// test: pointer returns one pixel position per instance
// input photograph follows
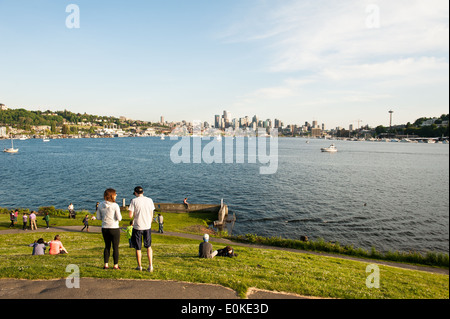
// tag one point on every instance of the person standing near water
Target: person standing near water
(47, 219)
(141, 208)
(109, 213)
(33, 220)
(161, 224)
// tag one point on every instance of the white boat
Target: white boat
(23, 138)
(12, 149)
(331, 149)
(162, 137)
(45, 139)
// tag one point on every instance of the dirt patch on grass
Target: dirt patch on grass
(198, 229)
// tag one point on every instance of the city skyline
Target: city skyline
(247, 121)
(336, 63)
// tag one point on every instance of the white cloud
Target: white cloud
(401, 69)
(324, 47)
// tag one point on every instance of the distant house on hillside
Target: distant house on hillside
(3, 107)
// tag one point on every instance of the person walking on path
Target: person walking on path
(141, 208)
(33, 220)
(11, 218)
(86, 223)
(109, 213)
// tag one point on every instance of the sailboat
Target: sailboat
(12, 149)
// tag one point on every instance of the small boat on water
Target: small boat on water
(11, 149)
(331, 149)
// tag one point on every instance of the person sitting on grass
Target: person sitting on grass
(205, 249)
(56, 246)
(226, 252)
(39, 247)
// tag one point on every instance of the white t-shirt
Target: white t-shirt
(142, 208)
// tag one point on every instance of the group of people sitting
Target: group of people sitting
(56, 246)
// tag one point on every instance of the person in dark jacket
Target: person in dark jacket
(205, 249)
(226, 252)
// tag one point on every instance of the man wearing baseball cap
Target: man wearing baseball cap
(205, 249)
(141, 208)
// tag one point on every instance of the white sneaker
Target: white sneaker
(150, 269)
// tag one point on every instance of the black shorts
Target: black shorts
(141, 236)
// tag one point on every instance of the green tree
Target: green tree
(65, 129)
(380, 129)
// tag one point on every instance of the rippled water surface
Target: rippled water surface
(393, 196)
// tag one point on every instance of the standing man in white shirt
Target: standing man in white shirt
(141, 208)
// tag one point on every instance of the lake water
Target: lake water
(392, 196)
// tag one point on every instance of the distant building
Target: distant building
(278, 123)
(3, 131)
(217, 121)
(429, 122)
(226, 118)
(3, 107)
(316, 132)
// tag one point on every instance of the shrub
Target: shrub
(52, 211)
(320, 245)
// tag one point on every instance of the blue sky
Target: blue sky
(189, 60)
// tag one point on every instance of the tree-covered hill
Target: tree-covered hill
(24, 119)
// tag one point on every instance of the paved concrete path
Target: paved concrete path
(152, 289)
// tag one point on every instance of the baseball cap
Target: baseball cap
(138, 190)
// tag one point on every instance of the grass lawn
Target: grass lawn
(176, 259)
(194, 223)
